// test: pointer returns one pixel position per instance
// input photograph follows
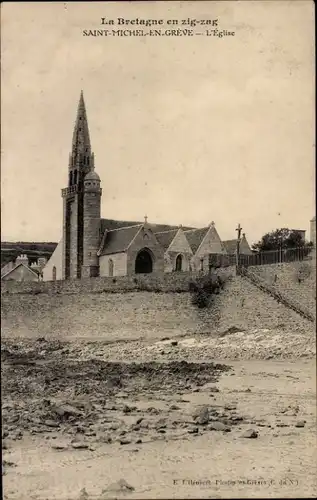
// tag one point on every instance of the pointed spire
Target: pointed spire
(81, 156)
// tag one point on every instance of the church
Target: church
(91, 246)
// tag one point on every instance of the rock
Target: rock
(105, 439)
(219, 426)
(153, 411)
(201, 416)
(126, 409)
(79, 445)
(66, 411)
(90, 433)
(114, 427)
(59, 446)
(300, 423)
(138, 441)
(250, 433)
(213, 389)
(161, 424)
(139, 420)
(119, 486)
(194, 430)
(51, 423)
(174, 342)
(174, 407)
(124, 441)
(230, 407)
(236, 418)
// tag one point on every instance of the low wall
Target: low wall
(296, 281)
(169, 282)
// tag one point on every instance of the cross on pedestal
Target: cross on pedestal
(239, 229)
(145, 219)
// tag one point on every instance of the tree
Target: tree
(280, 239)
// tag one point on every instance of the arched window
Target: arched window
(54, 273)
(75, 177)
(110, 267)
(179, 262)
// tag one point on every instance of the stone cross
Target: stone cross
(239, 229)
(145, 219)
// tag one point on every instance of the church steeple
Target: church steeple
(81, 159)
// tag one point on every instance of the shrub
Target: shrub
(203, 288)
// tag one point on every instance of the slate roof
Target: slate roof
(111, 224)
(18, 265)
(165, 238)
(118, 240)
(195, 237)
(230, 246)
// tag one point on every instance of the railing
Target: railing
(277, 295)
(262, 258)
(70, 190)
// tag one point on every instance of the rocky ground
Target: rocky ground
(159, 419)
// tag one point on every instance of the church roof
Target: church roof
(195, 237)
(230, 246)
(111, 224)
(165, 238)
(118, 240)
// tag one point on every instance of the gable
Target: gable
(56, 261)
(180, 243)
(245, 247)
(145, 238)
(211, 243)
(231, 247)
(21, 272)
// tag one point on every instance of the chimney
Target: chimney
(22, 259)
(41, 262)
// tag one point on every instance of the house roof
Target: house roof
(195, 237)
(33, 271)
(111, 224)
(165, 238)
(118, 240)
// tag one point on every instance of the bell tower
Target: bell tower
(81, 161)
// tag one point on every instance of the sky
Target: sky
(185, 129)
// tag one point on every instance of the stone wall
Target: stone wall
(119, 261)
(130, 307)
(296, 281)
(136, 314)
(171, 282)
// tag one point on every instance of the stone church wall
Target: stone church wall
(119, 263)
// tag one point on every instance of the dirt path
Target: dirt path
(169, 431)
